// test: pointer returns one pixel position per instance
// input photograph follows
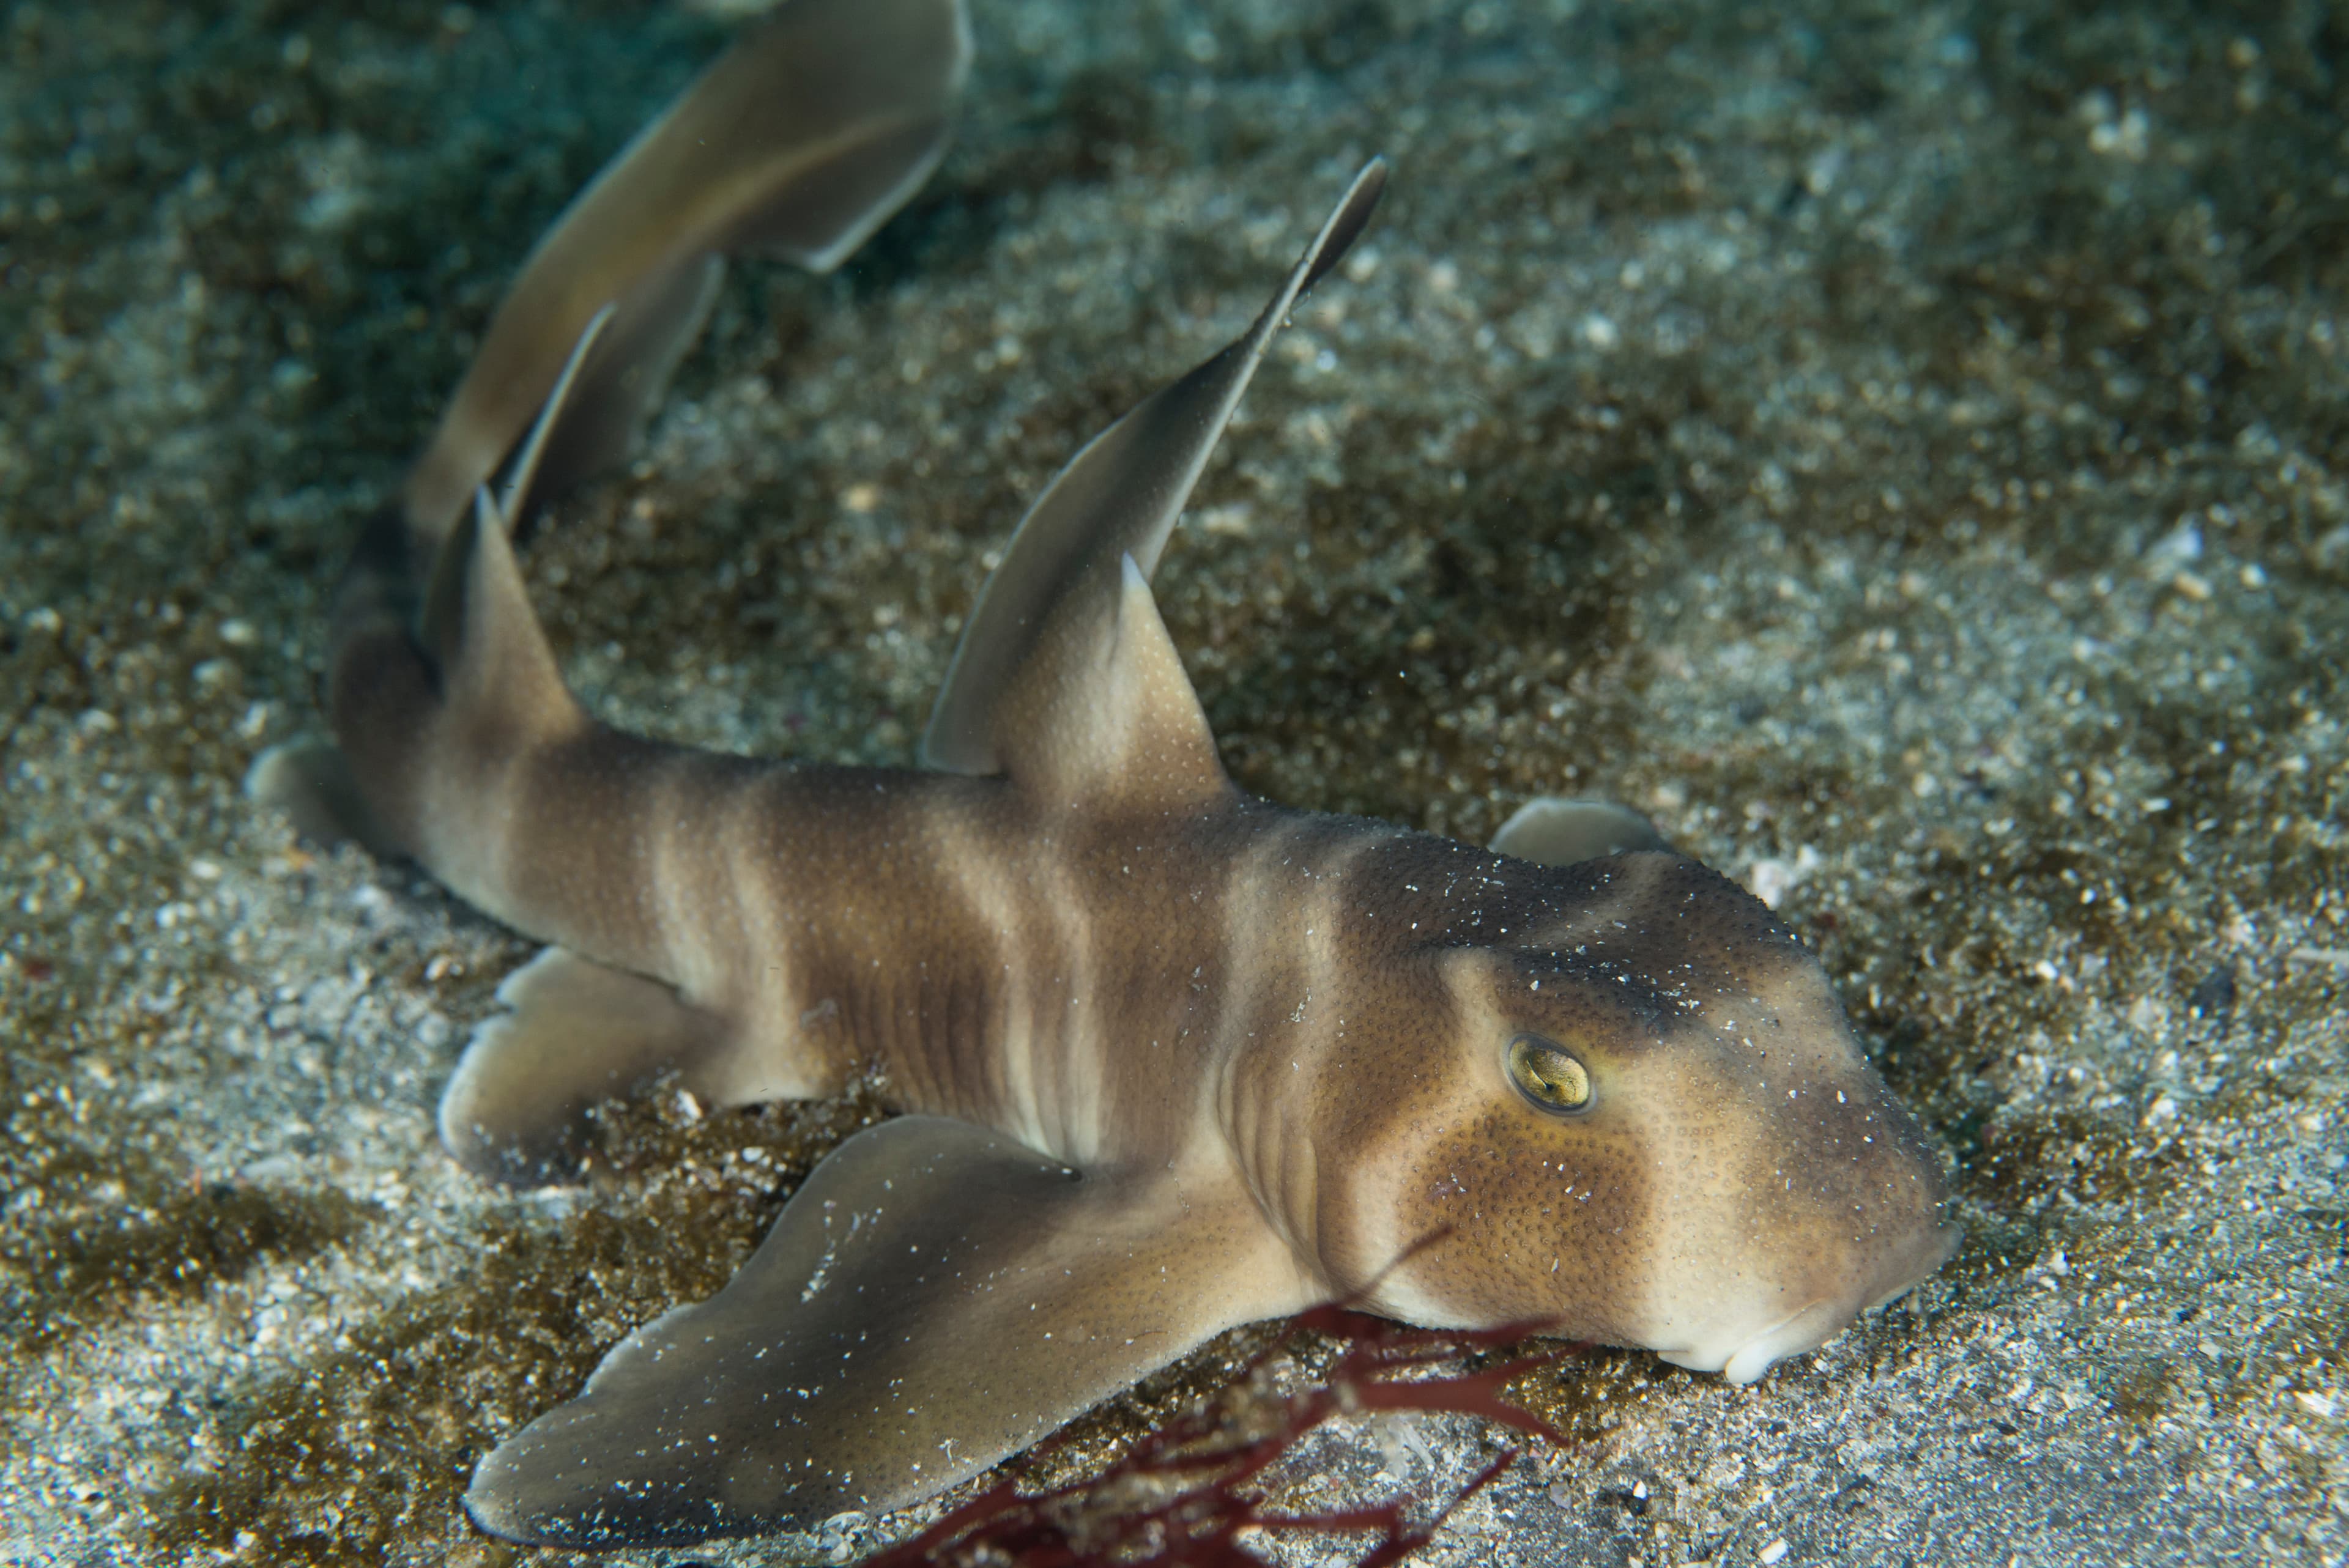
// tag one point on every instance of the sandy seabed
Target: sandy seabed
(1904, 448)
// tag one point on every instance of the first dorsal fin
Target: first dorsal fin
(1102, 714)
(1065, 580)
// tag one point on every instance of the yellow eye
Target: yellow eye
(1547, 1076)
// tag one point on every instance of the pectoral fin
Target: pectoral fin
(1552, 831)
(934, 1298)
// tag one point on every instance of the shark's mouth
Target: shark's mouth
(1812, 1326)
(1802, 1329)
(1808, 1327)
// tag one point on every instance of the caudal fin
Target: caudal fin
(799, 141)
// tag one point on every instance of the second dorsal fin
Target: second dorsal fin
(1067, 577)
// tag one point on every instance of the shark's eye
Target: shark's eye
(1545, 1074)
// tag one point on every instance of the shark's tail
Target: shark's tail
(799, 141)
(822, 119)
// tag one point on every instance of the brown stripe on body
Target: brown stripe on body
(962, 997)
(562, 841)
(1294, 1001)
(1117, 993)
(797, 901)
(883, 961)
(1174, 978)
(813, 906)
(1367, 1063)
(1082, 979)
(1058, 1011)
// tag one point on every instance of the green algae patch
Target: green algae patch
(2029, 1161)
(1586, 1397)
(2142, 1389)
(174, 1239)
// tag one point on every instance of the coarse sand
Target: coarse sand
(1904, 448)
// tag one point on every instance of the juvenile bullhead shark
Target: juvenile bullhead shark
(1169, 1058)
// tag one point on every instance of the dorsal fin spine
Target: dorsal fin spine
(476, 624)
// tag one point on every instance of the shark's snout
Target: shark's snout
(1741, 1347)
(1906, 1268)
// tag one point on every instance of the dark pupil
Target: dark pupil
(1548, 1073)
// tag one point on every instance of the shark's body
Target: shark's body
(1171, 1058)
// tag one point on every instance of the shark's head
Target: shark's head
(1618, 1099)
